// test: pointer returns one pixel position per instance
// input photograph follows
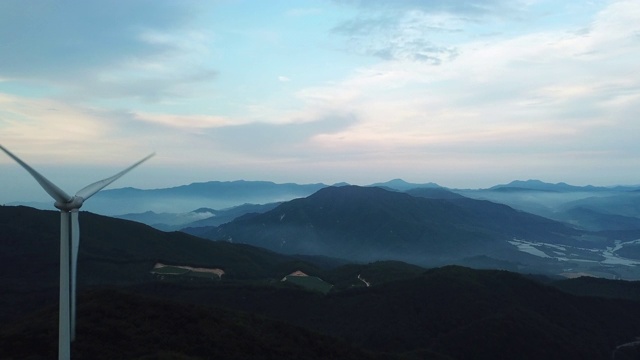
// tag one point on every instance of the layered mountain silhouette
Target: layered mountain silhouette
(173, 208)
(197, 218)
(537, 185)
(369, 223)
(212, 194)
(593, 208)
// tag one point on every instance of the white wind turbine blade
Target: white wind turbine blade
(91, 189)
(75, 244)
(55, 192)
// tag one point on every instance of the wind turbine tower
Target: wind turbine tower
(69, 243)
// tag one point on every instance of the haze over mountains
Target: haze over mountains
(593, 229)
(186, 198)
(429, 227)
(368, 224)
(221, 195)
(595, 225)
(556, 201)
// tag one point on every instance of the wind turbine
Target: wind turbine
(69, 243)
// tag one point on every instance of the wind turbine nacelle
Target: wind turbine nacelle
(74, 204)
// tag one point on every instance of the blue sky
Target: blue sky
(466, 94)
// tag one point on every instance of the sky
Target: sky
(467, 94)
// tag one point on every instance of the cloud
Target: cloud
(187, 122)
(44, 124)
(288, 140)
(408, 36)
(416, 30)
(111, 48)
(146, 85)
(466, 7)
(53, 131)
(53, 39)
(432, 31)
(558, 91)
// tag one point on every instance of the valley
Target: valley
(574, 262)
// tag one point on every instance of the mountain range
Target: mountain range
(605, 222)
(370, 223)
(379, 310)
(201, 217)
(609, 208)
(430, 227)
(212, 194)
(614, 208)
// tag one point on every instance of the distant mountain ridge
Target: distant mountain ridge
(212, 194)
(610, 208)
(197, 218)
(557, 187)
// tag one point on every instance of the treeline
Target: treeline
(119, 325)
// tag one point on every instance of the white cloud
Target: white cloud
(55, 131)
(407, 36)
(54, 40)
(90, 50)
(463, 7)
(533, 93)
(186, 122)
(47, 122)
